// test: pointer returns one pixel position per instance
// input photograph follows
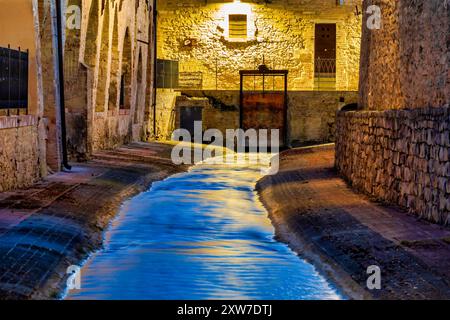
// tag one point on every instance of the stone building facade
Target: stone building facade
(398, 148)
(107, 74)
(200, 37)
(107, 80)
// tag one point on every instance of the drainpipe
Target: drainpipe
(155, 62)
(62, 106)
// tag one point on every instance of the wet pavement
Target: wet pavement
(199, 235)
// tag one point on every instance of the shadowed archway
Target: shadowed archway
(126, 74)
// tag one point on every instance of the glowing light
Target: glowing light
(237, 7)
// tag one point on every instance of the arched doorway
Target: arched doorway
(126, 74)
(103, 63)
(115, 56)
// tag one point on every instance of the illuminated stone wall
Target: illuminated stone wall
(311, 114)
(282, 31)
(113, 41)
(19, 152)
(398, 148)
(400, 157)
(406, 64)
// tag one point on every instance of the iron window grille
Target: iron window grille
(13, 78)
(167, 76)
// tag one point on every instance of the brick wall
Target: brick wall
(399, 156)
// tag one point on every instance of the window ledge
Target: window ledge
(237, 40)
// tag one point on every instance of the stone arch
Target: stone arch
(103, 63)
(126, 74)
(90, 52)
(115, 56)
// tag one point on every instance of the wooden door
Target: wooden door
(325, 48)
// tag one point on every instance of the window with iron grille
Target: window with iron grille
(238, 26)
(13, 79)
(167, 74)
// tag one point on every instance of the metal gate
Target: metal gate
(263, 101)
(13, 79)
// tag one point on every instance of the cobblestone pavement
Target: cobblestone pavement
(59, 221)
(344, 233)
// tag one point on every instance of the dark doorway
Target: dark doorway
(188, 117)
(125, 80)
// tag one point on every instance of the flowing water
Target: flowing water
(199, 235)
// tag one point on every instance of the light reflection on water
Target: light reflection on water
(199, 235)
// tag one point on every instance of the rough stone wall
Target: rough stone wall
(165, 113)
(19, 152)
(311, 115)
(282, 32)
(399, 156)
(399, 152)
(406, 63)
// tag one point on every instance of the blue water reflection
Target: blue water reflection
(199, 235)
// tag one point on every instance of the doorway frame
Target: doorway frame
(263, 72)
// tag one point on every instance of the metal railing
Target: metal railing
(325, 74)
(325, 67)
(13, 79)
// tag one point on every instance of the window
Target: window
(325, 49)
(238, 26)
(167, 74)
(13, 79)
(325, 57)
